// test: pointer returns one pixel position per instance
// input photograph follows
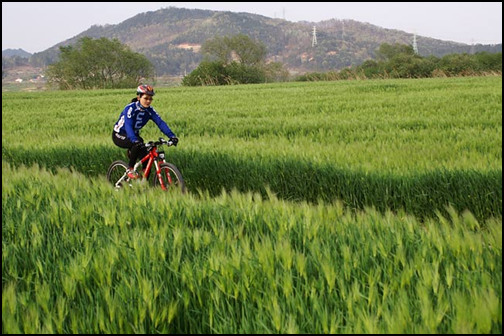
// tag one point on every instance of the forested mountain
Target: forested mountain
(171, 39)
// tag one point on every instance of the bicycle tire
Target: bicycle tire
(116, 170)
(171, 171)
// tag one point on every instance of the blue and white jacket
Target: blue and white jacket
(134, 117)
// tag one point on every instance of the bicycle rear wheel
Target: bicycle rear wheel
(116, 173)
(171, 177)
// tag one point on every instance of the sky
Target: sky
(37, 26)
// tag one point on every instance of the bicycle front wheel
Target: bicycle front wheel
(116, 173)
(169, 178)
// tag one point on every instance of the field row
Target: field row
(416, 145)
(422, 194)
(393, 126)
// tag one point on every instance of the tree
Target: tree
(233, 60)
(100, 63)
(388, 51)
(207, 73)
(218, 49)
(248, 51)
(245, 50)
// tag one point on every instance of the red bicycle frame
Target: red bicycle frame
(154, 157)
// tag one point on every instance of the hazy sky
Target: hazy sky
(37, 26)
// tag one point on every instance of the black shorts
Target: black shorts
(122, 140)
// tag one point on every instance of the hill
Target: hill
(171, 39)
(15, 52)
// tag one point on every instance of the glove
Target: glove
(174, 140)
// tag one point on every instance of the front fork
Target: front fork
(160, 177)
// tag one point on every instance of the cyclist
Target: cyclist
(135, 115)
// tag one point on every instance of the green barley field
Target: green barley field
(328, 207)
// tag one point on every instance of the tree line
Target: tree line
(104, 63)
(401, 61)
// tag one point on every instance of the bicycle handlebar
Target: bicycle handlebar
(161, 141)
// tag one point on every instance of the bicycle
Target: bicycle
(167, 175)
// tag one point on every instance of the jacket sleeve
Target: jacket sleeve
(161, 124)
(128, 124)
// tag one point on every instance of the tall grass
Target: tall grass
(78, 257)
(395, 224)
(416, 145)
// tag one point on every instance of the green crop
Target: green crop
(80, 257)
(330, 207)
(417, 145)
